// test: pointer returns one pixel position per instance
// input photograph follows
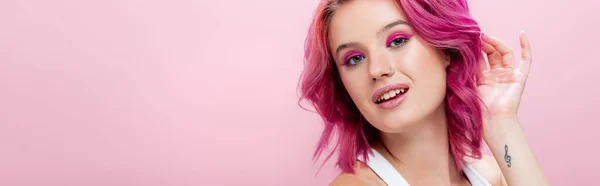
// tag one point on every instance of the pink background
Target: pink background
(183, 92)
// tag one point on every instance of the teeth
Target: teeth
(391, 94)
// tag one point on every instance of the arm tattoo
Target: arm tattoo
(506, 156)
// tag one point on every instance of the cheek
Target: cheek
(355, 84)
(428, 73)
(432, 82)
(430, 70)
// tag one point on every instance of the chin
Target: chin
(407, 116)
(397, 122)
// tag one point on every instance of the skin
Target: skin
(415, 132)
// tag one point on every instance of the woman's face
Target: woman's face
(393, 76)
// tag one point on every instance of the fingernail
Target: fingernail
(523, 31)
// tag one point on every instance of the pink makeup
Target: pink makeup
(350, 55)
(397, 35)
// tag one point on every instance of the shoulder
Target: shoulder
(362, 176)
(489, 169)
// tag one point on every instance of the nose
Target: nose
(380, 67)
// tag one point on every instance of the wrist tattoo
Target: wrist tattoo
(506, 156)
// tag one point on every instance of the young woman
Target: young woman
(409, 89)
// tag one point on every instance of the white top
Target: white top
(392, 177)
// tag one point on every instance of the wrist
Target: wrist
(500, 127)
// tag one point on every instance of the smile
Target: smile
(390, 96)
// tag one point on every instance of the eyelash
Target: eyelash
(404, 40)
(358, 58)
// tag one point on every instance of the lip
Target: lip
(386, 89)
(392, 102)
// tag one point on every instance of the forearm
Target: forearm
(511, 150)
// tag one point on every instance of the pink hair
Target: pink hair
(444, 24)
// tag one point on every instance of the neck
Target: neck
(421, 153)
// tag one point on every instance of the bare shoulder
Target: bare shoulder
(489, 169)
(349, 179)
(363, 176)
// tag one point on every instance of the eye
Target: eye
(397, 42)
(353, 60)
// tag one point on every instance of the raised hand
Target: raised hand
(501, 82)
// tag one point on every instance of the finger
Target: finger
(483, 65)
(501, 47)
(493, 56)
(525, 64)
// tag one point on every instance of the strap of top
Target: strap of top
(385, 170)
(475, 178)
(392, 177)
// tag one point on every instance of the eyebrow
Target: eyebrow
(392, 25)
(386, 27)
